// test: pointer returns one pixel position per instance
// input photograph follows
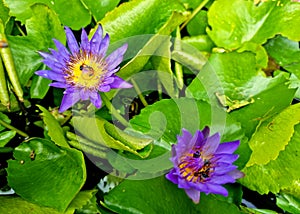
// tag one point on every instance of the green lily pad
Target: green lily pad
(41, 28)
(273, 135)
(104, 134)
(11, 204)
(55, 131)
(122, 22)
(235, 22)
(159, 195)
(45, 174)
(278, 174)
(76, 18)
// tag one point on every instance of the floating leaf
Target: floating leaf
(122, 22)
(288, 203)
(140, 197)
(286, 53)
(100, 8)
(273, 135)
(45, 174)
(165, 119)
(235, 22)
(10, 204)
(55, 131)
(277, 174)
(106, 134)
(6, 136)
(76, 18)
(41, 28)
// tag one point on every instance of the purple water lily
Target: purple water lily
(83, 70)
(202, 164)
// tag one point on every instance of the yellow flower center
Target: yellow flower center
(190, 167)
(86, 71)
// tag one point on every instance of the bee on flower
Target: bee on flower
(202, 164)
(83, 70)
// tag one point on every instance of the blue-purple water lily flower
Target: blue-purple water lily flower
(202, 164)
(83, 70)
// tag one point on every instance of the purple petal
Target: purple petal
(197, 140)
(84, 95)
(50, 75)
(172, 176)
(85, 44)
(108, 80)
(236, 174)
(224, 179)
(206, 131)
(217, 189)
(182, 147)
(57, 56)
(58, 84)
(96, 99)
(104, 88)
(61, 49)
(72, 42)
(119, 83)
(54, 65)
(225, 158)
(116, 57)
(224, 168)
(96, 40)
(111, 72)
(103, 46)
(193, 194)
(69, 99)
(46, 55)
(228, 148)
(211, 145)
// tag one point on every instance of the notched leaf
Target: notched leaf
(231, 105)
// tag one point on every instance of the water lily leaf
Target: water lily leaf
(130, 197)
(6, 136)
(198, 25)
(81, 199)
(201, 42)
(4, 13)
(76, 18)
(161, 61)
(277, 174)
(231, 74)
(100, 8)
(103, 133)
(236, 22)
(165, 119)
(6, 119)
(41, 28)
(145, 46)
(39, 87)
(122, 22)
(55, 131)
(288, 203)
(286, 53)
(234, 77)
(11, 204)
(273, 135)
(42, 166)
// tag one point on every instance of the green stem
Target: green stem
(113, 111)
(137, 89)
(194, 13)
(19, 28)
(6, 125)
(178, 67)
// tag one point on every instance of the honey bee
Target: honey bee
(87, 70)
